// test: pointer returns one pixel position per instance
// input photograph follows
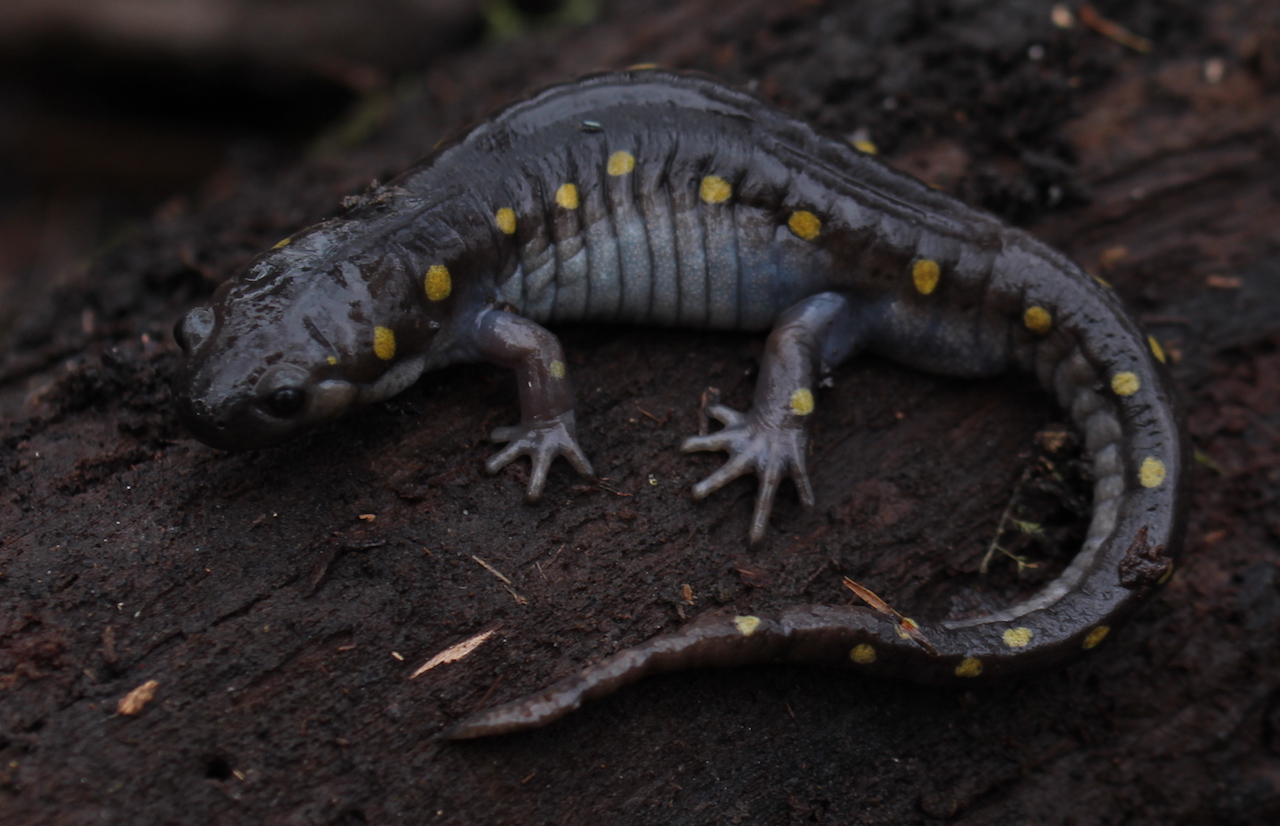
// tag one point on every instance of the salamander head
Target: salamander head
(293, 343)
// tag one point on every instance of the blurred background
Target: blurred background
(109, 108)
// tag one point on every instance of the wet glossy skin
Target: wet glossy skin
(653, 198)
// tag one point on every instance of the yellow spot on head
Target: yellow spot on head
(802, 402)
(621, 162)
(557, 369)
(805, 224)
(505, 218)
(1125, 384)
(384, 343)
(969, 667)
(714, 190)
(1037, 320)
(332, 360)
(865, 146)
(925, 273)
(1156, 349)
(437, 282)
(1152, 472)
(746, 625)
(282, 244)
(863, 654)
(567, 196)
(1017, 637)
(1096, 636)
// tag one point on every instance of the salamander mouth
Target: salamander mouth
(255, 421)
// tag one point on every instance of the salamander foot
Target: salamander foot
(542, 442)
(769, 450)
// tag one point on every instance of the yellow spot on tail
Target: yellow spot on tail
(1017, 637)
(805, 224)
(567, 196)
(332, 359)
(1096, 636)
(1152, 472)
(802, 402)
(437, 282)
(714, 190)
(969, 667)
(1156, 349)
(925, 273)
(866, 146)
(384, 343)
(746, 625)
(282, 244)
(863, 654)
(505, 218)
(557, 369)
(1037, 320)
(1125, 384)
(620, 163)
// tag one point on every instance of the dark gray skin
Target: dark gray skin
(654, 198)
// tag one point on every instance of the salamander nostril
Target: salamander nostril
(193, 328)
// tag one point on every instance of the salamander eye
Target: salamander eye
(286, 402)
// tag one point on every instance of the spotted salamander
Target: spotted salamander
(656, 198)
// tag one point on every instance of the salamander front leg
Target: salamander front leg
(771, 439)
(546, 429)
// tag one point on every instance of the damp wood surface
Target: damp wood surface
(281, 599)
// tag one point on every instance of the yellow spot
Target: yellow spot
(805, 224)
(865, 146)
(620, 163)
(332, 359)
(1017, 637)
(905, 626)
(437, 282)
(1096, 636)
(384, 343)
(1156, 349)
(282, 244)
(635, 67)
(746, 625)
(925, 273)
(1037, 320)
(505, 218)
(1168, 574)
(1125, 384)
(802, 402)
(969, 667)
(714, 190)
(567, 196)
(1151, 474)
(1104, 282)
(557, 369)
(863, 654)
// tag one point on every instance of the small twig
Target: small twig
(1114, 31)
(506, 583)
(907, 627)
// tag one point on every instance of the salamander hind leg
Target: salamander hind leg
(547, 428)
(771, 439)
